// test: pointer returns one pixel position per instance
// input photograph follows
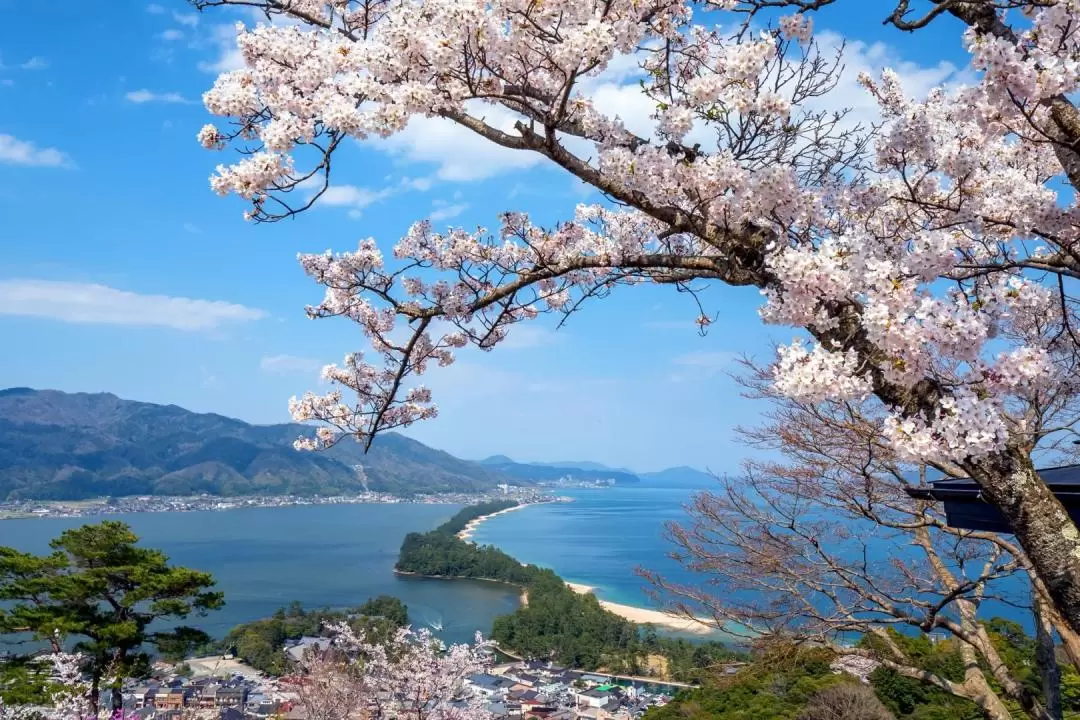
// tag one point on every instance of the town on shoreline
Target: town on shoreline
(25, 509)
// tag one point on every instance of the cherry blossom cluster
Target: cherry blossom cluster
(928, 259)
(817, 374)
(69, 699)
(413, 674)
(798, 27)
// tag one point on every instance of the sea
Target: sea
(340, 555)
(321, 555)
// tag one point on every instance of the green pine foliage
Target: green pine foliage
(106, 597)
(260, 643)
(777, 686)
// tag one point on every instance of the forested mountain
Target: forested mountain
(543, 472)
(56, 445)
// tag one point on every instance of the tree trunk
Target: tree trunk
(117, 699)
(1046, 658)
(978, 690)
(95, 695)
(1041, 524)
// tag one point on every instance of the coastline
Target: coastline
(639, 615)
(466, 532)
(647, 616)
(123, 505)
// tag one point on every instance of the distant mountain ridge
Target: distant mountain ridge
(550, 472)
(56, 445)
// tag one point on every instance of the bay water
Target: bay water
(320, 555)
(340, 555)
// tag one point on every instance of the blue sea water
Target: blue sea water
(322, 555)
(599, 538)
(340, 555)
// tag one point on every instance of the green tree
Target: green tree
(111, 597)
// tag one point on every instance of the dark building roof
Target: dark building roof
(966, 509)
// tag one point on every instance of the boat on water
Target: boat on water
(436, 626)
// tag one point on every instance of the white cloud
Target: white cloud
(7, 82)
(223, 38)
(461, 154)
(443, 211)
(172, 34)
(14, 151)
(78, 302)
(35, 63)
(357, 198)
(147, 96)
(155, 9)
(192, 228)
(289, 364)
(917, 80)
(188, 20)
(353, 196)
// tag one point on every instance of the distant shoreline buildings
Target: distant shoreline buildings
(26, 509)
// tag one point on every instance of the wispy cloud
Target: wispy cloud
(35, 63)
(79, 302)
(446, 211)
(155, 9)
(357, 198)
(192, 228)
(14, 151)
(147, 96)
(186, 19)
(172, 34)
(289, 364)
(223, 38)
(460, 154)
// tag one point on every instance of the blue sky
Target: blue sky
(122, 272)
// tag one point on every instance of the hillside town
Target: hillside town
(223, 688)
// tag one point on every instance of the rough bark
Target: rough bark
(1041, 524)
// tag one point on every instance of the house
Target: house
(590, 698)
(143, 696)
(487, 685)
(528, 680)
(305, 644)
(497, 709)
(172, 699)
(231, 714)
(231, 697)
(208, 696)
(595, 679)
(551, 687)
(527, 700)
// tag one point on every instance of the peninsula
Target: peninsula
(466, 532)
(557, 620)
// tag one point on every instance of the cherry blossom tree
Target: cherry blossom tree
(413, 675)
(927, 264)
(823, 544)
(69, 698)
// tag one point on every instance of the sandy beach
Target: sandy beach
(648, 616)
(466, 532)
